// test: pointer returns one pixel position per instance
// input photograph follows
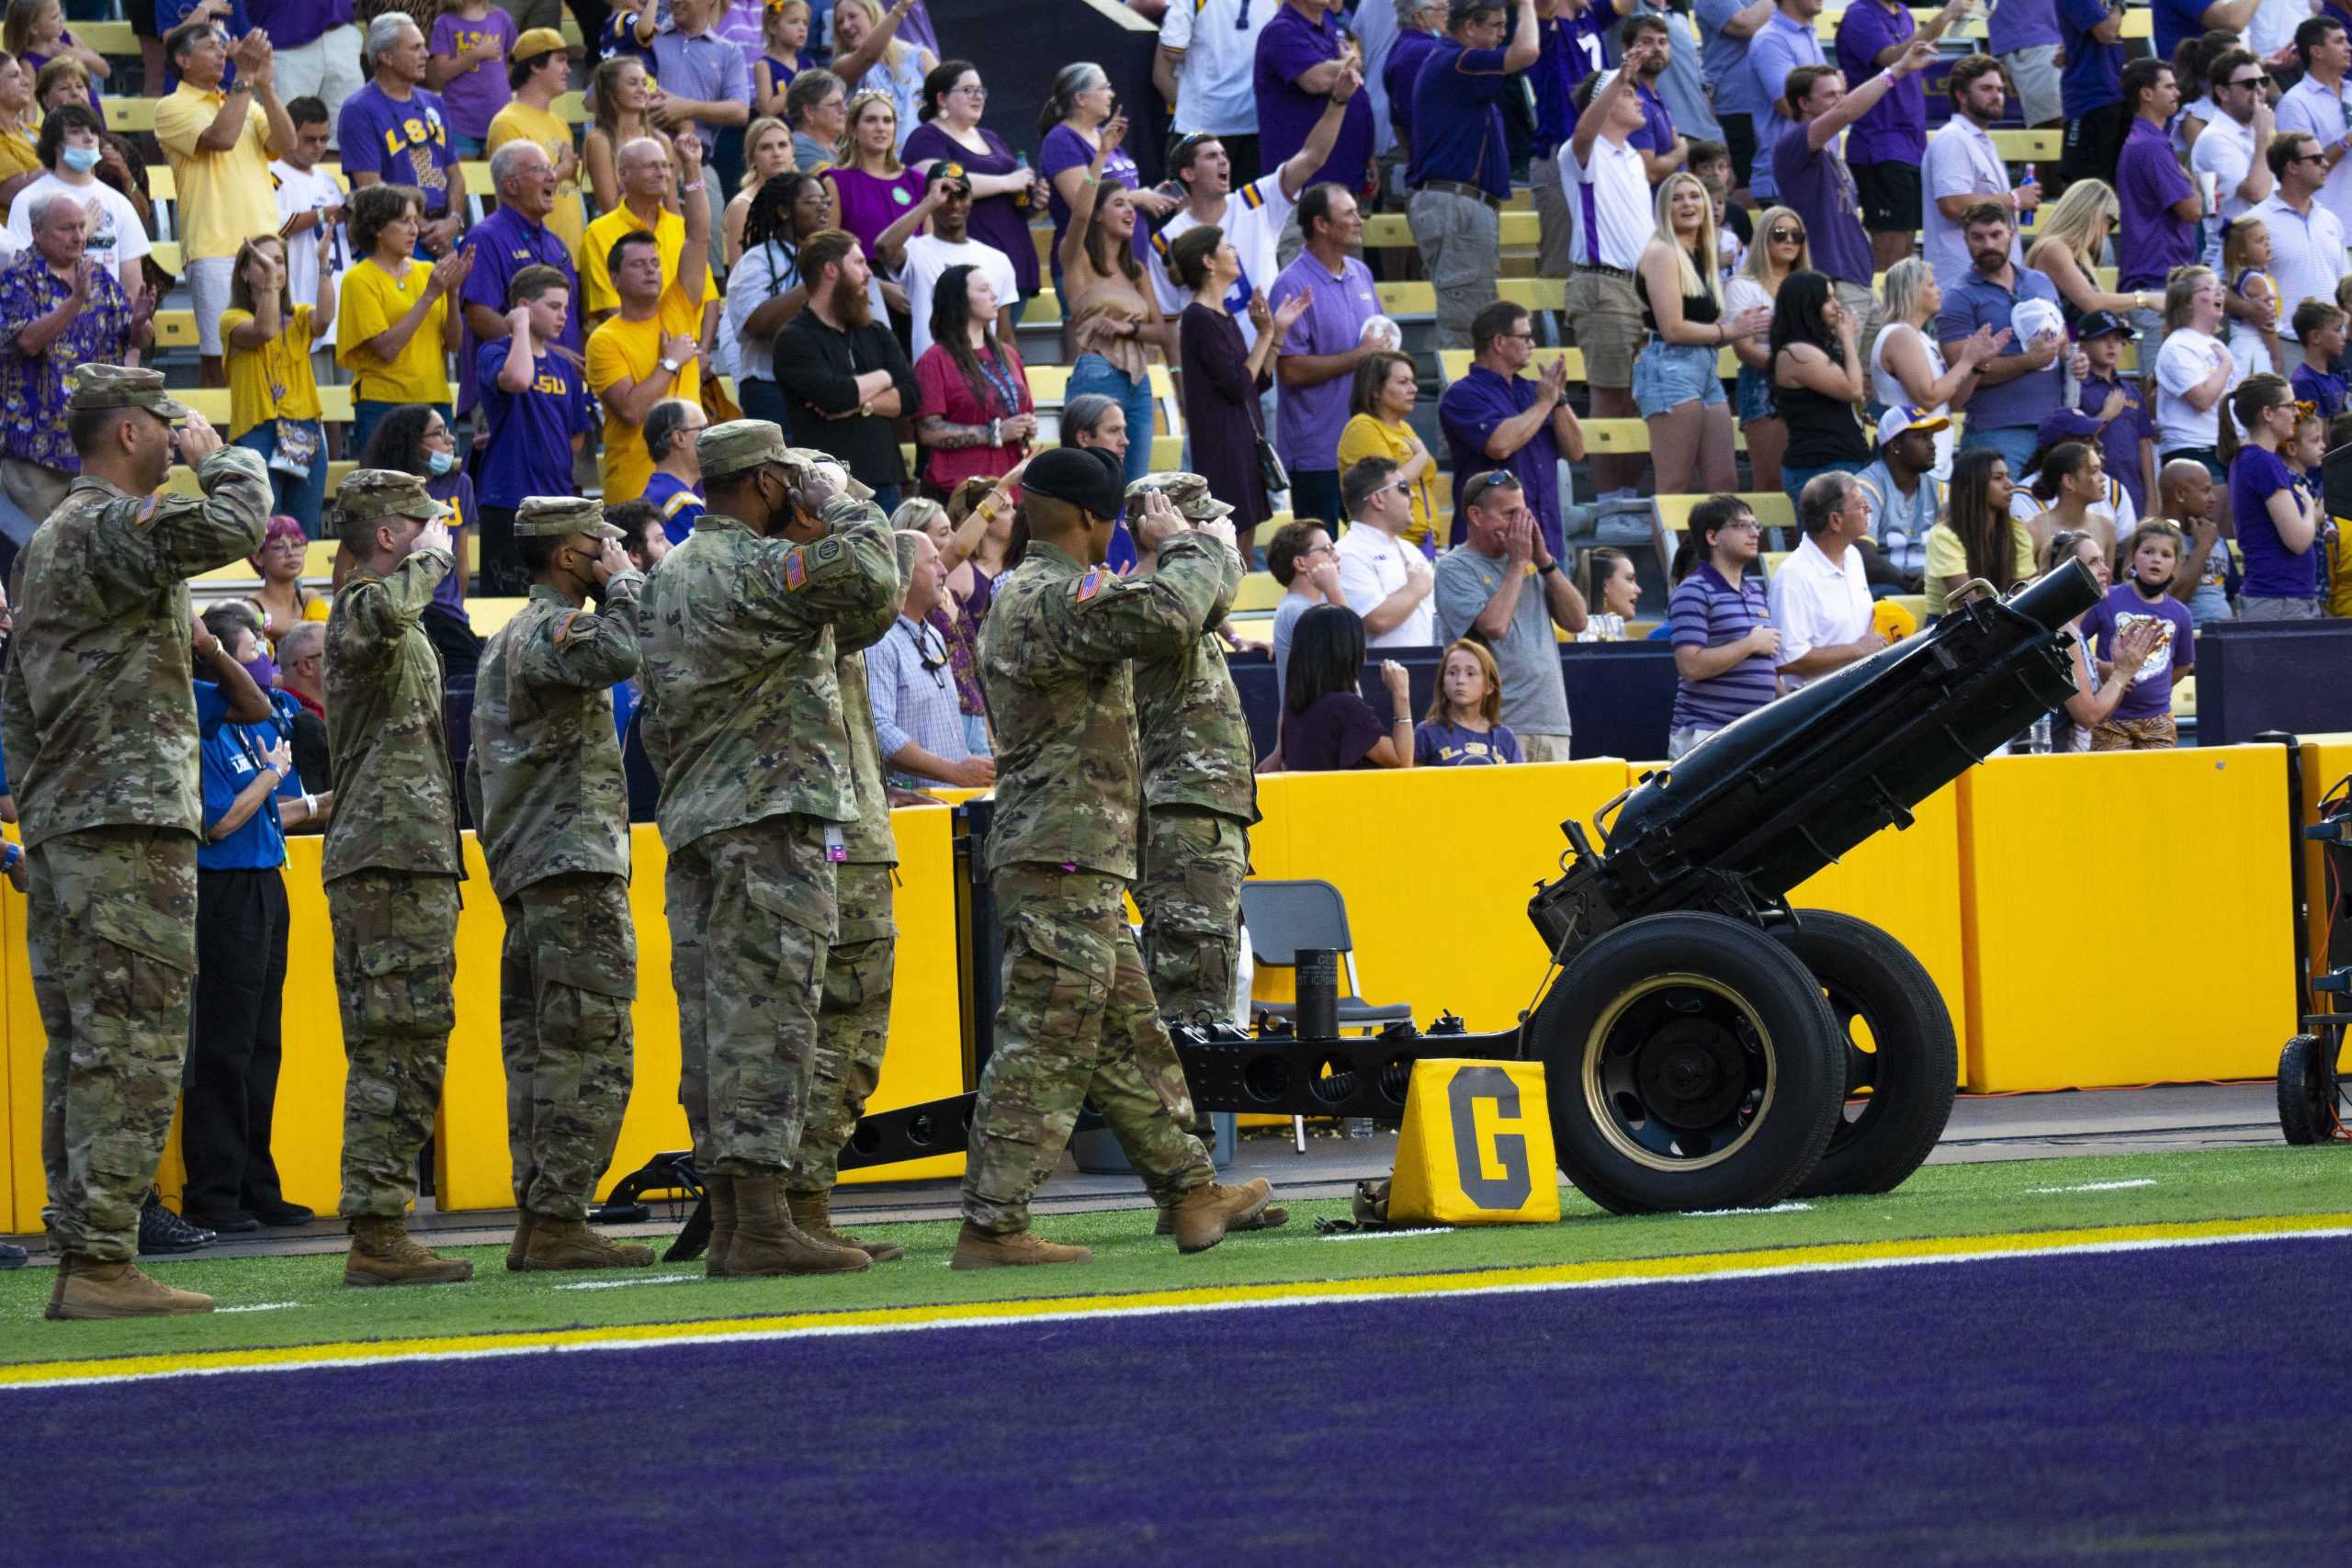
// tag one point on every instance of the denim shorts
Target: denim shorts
(1669, 375)
(1755, 389)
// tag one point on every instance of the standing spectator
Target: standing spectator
(647, 206)
(465, 63)
(1610, 197)
(2319, 106)
(2023, 36)
(219, 141)
(1902, 492)
(272, 390)
(676, 489)
(2016, 384)
(2066, 490)
(975, 415)
(58, 311)
(1303, 561)
(1908, 367)
(2235, 148)
(312, 203)
(115, 239)
(874, 193)
(1681, 89)
(1384, 389)
(2319, 325)
(1612, 589)
(1782, 249)
(1730, 27)
(1735, 226)
(1419, 23)
(2195, 371)
(394, 132)
(767, 151)
(871, 60)
(2069, 238)
(844, 379)
(520, 234)
(1662, 147)
(1110, 307)
(534, 404)
(2307, 256)
(1964, 169)
(1302, 52)
(1465, 727)
(418, 441)
(705, 83)
(302, 674)
(649, 350)
(2127, 432)
(1079, 150)
(2141, 720)
(1983, 539)
(1460, 170)
(623, 95)
(2277, 518)
(20, 125)
(1504, 585)
(2209, 578)
(538, 71)
(1091, 421)
(765, 289)
(395, 328)
(1785, 42)
(1004, 188)
(282, 600)
(1820, 597)
(1387, 581)
(2253, 298)
(1223, 378)
(1813, 177)
(783, 52)
(817, 108)
(315, 45)
(917, 719)
(1676, 384)
(1316, 359)
(1722, 626)
(1326, 725)
(1495, 418)
(2161, 206)
(2090, 36)
(2176, 20)
(1885, 149)
(1816, 381)
(923, 260)
(1205, 68)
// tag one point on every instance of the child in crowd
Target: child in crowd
(1465, 727)
(1606, 579)
(535, 402)
(2320, 381)
(2143, 719)
(2245, 272)
(784, 33)
(2128, 438)
(34, 31)
(467, 66)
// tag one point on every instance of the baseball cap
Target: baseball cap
(534, 42)
(1189, 494)
(2099, 323)
(1902, 418)
(1088, 477)
(2063, 424)
(954, 174)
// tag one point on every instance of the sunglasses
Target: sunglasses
(1402, 486)
(1481, 483)
(1788, 236)
(2251, 81)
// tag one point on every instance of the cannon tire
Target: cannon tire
(1691, 1063)
(2304, 1114)
(1912, 1066)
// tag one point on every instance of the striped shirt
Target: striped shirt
(1707, 612)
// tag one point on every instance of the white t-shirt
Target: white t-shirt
(929, 255)
(2274, 25)
(1962, 160)
(2186, 359)
(1252, 222)
(116, 239)
(1623, 222)
(1372, 567)
(1889, 391)
(312, 190)
(2224, 150)
(761, 274)
(1817, 604)
(1218, 41)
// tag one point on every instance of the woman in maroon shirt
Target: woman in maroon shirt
(976, 417)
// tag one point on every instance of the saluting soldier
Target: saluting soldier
(551, 807)
(99, 718)
(1078, 1020)
(391, 865)
(743, 720)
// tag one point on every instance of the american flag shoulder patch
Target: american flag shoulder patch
(795, 571)
(1090, 584)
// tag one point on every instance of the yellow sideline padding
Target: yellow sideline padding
(2327, 758)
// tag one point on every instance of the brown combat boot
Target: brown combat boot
(811, 1213)
(569, 1244)
(1273, 1217)
(521, 1244)
(88, 1288)
(767, 1241)
(1200, 1217)
(382, 1254)
(720, 1193)
(977, 1249)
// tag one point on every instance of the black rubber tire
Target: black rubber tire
(1880, 1140)
(1797, 1077)
(2304, 1114)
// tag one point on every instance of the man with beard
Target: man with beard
(2025, 381)
(845, 378)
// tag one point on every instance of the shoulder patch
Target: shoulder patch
(813, 560)
(563, 629)
(146, 511)
(1088, 583)
(1252, 197)
(1160, 243)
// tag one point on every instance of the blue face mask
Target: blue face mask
(81, 159)
(440, 462)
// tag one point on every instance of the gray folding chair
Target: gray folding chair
(1283, 915)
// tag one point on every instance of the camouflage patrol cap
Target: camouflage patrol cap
(123, 387)
(560, 517)
(738, 444)
(1189, 494)
(371, 493)
(808, 457)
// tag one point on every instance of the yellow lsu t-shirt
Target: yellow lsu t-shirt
(274, 381)
(630, 350)
(596, 279)
(373, 299)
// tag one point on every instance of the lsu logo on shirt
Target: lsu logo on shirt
(553, 385)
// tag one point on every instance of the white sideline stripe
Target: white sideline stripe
(1789, 1208)
(1989, 1254)
(1386, 1236)
(260, 1306)
(2094, 1187)
(624, 1284)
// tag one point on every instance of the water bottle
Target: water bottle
(1020, 198)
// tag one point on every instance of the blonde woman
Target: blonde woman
(1907, 365)
(1781, 248)
(2068, 237)
(1675, 382)
(869, 57)
(623, 95)
(767, 153)
(871, 189)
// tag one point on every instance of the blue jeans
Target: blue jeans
(368, 412)
(888, 497)
(1794, 480)
(300, 497)
(762, 398)
(1092, 373)
(2014, 441)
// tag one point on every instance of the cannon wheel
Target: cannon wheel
(1691, 1063)
(1911, 1066)
(2306, 1110)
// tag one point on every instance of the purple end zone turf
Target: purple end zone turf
(2171, 1404)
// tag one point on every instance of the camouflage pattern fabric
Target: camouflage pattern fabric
(566, 977)
(853, 1022)
(1194, 864)
(395, 798)
(395, 959)
(1077, 1005)
(1194, 738)
(750, 912)
(868, 838)
(110, 921)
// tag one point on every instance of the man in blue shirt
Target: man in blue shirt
(1730, 26)
(1495, 418)
(2025, 381)
(2090, 32)
(676, 488)
(1784, 42)
(1461, 168)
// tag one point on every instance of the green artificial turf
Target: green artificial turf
(1939, 1200)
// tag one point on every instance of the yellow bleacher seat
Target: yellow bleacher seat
(487, 615)
(176, 329)
(1258, 590)
(167, 255)
(1454, 362)
(128, 114)
(1392, 230)
(1048, 384)
(1045, 310)
(2030, 146)
(212, 402)
(1771, 507)
(1408, 301)
(111, 38)
(1536, 293)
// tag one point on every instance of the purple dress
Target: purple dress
(871, 203)
(999, 220)
(1221, 412)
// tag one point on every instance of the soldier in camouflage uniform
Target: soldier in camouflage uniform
(552, 810)
(392, 865)
(98, 721)
(1078, 1020)
(743, 719)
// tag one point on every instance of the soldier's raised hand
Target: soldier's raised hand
(433, 536)
(1221, 530)
(197, 439)
(1156, 523)
(613, 559)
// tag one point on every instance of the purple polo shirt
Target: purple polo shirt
(504, 243)
(1468, 413)
(1405, 56)
(1820, 188)
(400, 141)
(1657, 135)
(1289, 46)
(2119, 442)
(1708, 612)
(1895, 129)
(1977, 300)
(1308, 420)
(294, 23)
(2093, 74)
(2152, 240)
(2023, 24)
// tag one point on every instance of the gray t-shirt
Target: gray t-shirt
(1286, 614)
(1535, 700)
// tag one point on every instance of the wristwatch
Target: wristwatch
(1547, 567)
(669, 364)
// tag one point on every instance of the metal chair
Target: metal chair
(1283, 915)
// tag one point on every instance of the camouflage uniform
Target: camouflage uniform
(552, 809)
(743, 719)
(392, 862)
(1077, 1020)
(97, 716)
(1200, 796)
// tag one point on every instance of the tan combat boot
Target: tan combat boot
(569, 1244)
(382, 1254)
(721, 1191)
(977, 1249)
(811, 1213)
(1200, 1217)
(88, 1288)
(1273, 1217)
(521, 1244)
(767, 1241)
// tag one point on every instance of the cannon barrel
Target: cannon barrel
(1772, 798)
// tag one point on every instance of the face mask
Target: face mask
(263, 670)
(81, 159)
(440, 462)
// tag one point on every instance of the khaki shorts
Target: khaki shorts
(2033, 74)
(1606, 316)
